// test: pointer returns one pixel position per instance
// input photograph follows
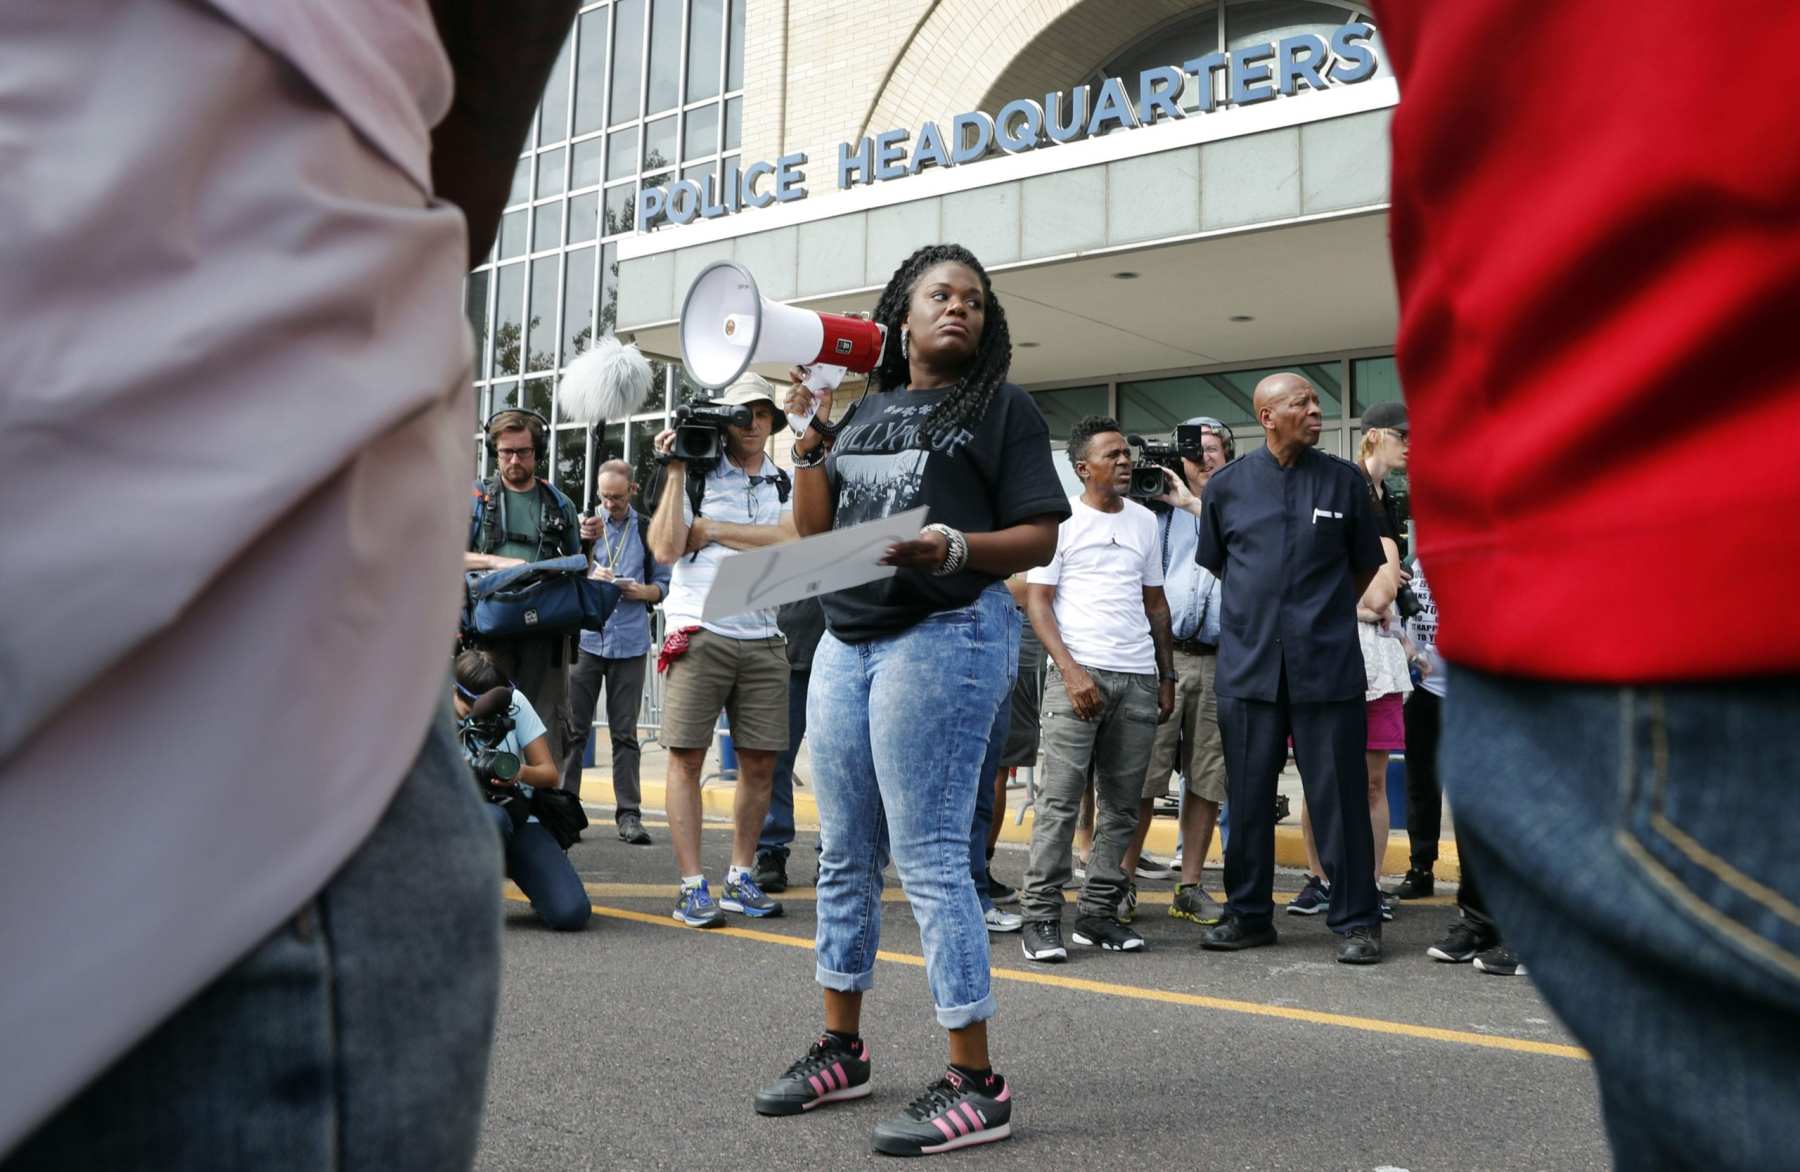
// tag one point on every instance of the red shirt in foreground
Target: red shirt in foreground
(1596, 234)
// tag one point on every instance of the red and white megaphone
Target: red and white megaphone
(727, 326)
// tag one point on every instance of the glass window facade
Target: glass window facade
(641, 87)
(1065, 406)
(1153, 406)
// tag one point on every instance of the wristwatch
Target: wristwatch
(1170, 676)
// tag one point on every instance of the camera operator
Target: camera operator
(534, 861)
(1191, 740)
(517, 517)
(738, 663)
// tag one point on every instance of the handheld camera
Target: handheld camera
(700, 430)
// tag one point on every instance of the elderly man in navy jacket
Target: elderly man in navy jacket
(1293, 535)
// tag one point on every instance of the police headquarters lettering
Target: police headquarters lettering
(1256, 73)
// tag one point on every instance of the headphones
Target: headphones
(536, 424)
(1218, 429)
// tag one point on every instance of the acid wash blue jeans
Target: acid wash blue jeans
(900, 729)
(1637, 846)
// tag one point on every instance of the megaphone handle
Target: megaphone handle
(799, 422)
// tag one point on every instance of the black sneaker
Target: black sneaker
(1360, 946)
(1462, 942)
(770, 871)
(1107, 934)
(1500, 961)
(1314, 898)
(1000, 893)
(1149, 868)
(1417, 885)
(1233, 935)
(631, 829)
(828, 1074)
(952, 1113)
(1043, 942)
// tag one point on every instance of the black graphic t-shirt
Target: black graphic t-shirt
(979, 482)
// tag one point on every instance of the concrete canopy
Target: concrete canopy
(1309, 288)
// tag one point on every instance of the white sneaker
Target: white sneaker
(999, 921)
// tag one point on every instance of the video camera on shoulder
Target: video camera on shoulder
(700, 430)
(481, 733)
(1147, 481)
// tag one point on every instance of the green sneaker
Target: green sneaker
(1193, 904)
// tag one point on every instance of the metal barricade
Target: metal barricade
(650, 711)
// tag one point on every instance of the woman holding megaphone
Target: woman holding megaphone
(911, 672)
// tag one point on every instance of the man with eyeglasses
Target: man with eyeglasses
(613, 658)
(1191, 739)
(518, 516)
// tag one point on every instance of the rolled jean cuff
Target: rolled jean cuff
(959, 1016)
(844, 982)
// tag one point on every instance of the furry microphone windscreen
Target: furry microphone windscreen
(609, 381)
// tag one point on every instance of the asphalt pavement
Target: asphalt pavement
(638, 1043)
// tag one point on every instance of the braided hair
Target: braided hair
(967, 403)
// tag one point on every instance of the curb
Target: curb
(716, 799)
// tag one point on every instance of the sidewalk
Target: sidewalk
(716, 799)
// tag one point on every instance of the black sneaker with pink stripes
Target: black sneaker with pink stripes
(952, 1113)
(830, 1073)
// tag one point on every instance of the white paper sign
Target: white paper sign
(753, 579)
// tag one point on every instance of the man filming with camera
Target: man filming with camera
(1190, 742)
(720, 492)
(518, 516)
(505, 744)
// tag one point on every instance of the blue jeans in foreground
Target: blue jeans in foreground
(1636, 845)
(778, 824)
(900, 730)
(356, 1036)
(543, 872)
(990, 768)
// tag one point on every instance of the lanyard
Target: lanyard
(613, 555)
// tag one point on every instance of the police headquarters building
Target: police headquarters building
(1173, 198)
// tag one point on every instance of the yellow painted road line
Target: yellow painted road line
(893, 894)
(1372, 1025)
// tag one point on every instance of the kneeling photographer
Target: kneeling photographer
(505, 743)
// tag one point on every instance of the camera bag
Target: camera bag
(550, 597)
(559, 812)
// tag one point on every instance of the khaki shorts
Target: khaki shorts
(1191, 733)
(748, 678)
